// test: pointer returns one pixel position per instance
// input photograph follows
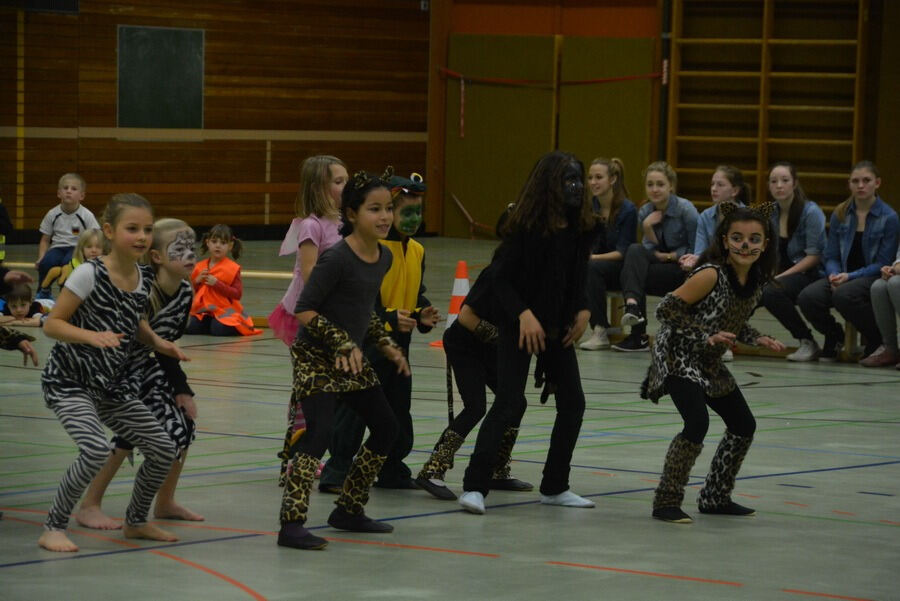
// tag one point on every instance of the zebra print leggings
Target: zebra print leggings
(82, 414)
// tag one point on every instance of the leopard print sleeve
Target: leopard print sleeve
(486, 332)
(378, 334)
(679, 316)
(10, 339)
(748, 334)
(335, 338)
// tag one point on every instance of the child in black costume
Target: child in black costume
(336, 314)
(541, 268)
(698, 322)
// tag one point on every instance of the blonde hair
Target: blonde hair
(75, 176)
(163, 229)
(86, 237)
(664, 168)
(315, 177)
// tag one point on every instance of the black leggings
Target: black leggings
(474, 366)
(370, 404)
(210, 326)
(691, 401)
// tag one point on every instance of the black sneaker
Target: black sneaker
(633, 343)
(341, 519)
(673, 515)
(294, 535)
(632, 315)
(729, 508)
(834, 342)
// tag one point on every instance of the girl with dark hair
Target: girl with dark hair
(542, 309)
(801, 242)
(616, 230)
(698, 322)
(862, 237)
(336, 312)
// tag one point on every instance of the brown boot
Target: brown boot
(715, 496)
(295, 504)
(501, 479)
(431, 478)
(349, 512)
(680, 459)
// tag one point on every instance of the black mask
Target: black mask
(573, 186)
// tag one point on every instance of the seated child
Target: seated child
(217, 308)
(61, 226)
(90, 246)
(20, 309)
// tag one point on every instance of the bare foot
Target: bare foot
(174, 511)
(56, 540)
(148, 531)
(93, 517)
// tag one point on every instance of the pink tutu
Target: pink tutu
(283, 324)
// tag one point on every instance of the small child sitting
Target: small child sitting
(20, 309)
(90, 246)
(61, 226)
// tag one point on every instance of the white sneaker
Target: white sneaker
(472, 501)
(728, 356)
(598, 340)
(807, 351)
(566, 499)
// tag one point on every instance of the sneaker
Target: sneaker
(672, 515)
(882, 357)
(632, 315)
(831, 349)
(729, 508)
(599, 339)
(807, 351)
(633, 343)
(728, 356)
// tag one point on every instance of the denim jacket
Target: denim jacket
(879, 240)
(623, 232)
(679, 225)
(809, 237)
(706, 228)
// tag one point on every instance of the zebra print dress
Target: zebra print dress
(168, 317)
(107, 308)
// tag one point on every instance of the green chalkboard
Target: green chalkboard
(160, 77)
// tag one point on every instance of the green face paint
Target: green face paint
(409, 218)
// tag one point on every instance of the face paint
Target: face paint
(573, 186)
(181, 248)
(751, 246)
(409, 218)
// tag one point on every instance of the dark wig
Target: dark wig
(717, 253)
(540, 208)
(356, 191)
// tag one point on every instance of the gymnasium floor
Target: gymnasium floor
(823, 474)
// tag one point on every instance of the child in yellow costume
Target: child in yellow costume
(90, 246)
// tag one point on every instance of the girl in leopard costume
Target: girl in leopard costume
(699, 321)
(336, 315)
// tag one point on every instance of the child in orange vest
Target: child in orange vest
(217, 308)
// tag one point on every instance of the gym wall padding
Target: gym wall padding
(506, 127)
(609, 119)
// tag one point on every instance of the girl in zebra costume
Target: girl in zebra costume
(159, 381)
(96, 320)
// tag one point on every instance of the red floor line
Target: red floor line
(743, 494)
(839, 512)
(187, 562)
(823, 595)
(889, 522)
(413, 547)
(797, 504)
(643, 573)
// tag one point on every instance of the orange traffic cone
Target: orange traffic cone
(457, 296)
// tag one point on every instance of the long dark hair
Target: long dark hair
(717, 253)
(356, 191)
(540, 207)
(800, 198)
(841, 209)
(736, 178)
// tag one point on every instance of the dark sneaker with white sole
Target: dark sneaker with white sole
(633, 343)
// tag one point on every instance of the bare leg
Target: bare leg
(56, 540)
(89, 514)
(166, 508)
(149, 532)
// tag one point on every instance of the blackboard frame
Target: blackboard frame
(160, 77)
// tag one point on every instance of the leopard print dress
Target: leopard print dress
(681, 347)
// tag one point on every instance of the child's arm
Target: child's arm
(11, 340)
(675, 308)
(43, 246)
(388, 347)
(426, 315)
(510, 259)
(148, 337)
(309, 254)
(234, 291)
(57, 324)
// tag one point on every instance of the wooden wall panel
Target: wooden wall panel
(282, 80)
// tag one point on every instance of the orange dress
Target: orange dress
(209, 301)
